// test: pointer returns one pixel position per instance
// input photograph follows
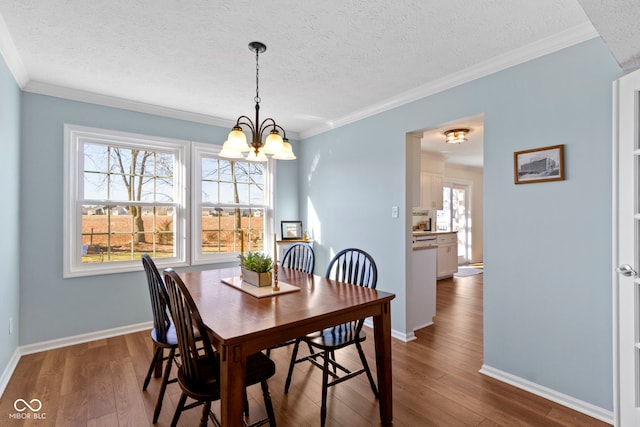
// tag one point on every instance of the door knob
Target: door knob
(626, 270)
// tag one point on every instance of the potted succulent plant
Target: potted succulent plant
(256, 268)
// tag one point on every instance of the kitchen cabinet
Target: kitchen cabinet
(447, 260)
(431, 191)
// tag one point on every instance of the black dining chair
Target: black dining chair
(353, 266)
(299, 256)
(163, 333)
(199, 372)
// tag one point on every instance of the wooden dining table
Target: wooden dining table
(241, 324)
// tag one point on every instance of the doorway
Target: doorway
(455, 216)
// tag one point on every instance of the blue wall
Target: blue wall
(547, 246)
(87, 304)
(9, 214)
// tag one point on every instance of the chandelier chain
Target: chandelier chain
(257, 98)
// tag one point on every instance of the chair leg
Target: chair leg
(294, 355)
(325, 380)
(179, 408)
(205, 413)
(267, 403)
(163, 386)
(154, 361)
(158, 371)
(332, 354)
(246, 403)
(367, 370)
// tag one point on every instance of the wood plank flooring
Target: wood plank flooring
(436, 382)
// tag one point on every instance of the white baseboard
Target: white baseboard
(11, 366)
(394, 334)
(64, 342)
(555, 396)
(83, 338)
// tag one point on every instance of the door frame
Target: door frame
(615, 282)
(626, 108)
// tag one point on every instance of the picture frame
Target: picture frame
(539, 165)
(291, 230)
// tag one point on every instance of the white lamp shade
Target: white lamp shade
(237, 140)
(286, 153)
(273, 144)
(229, 153)
(260, 157)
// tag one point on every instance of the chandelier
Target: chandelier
(456, 136)
(274, 145)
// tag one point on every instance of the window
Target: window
(125, 195)
(230, 205)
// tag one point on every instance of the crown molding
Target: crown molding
(10, 54)
(564, 39)
(125, 104)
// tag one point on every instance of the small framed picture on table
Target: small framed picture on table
(291, 230)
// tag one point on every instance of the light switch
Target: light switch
(394, 212)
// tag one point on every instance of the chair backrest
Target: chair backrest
(159, 298)
(353, 266)
(193, 341)
(299, 256)
(357, 267)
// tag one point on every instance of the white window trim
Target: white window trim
(199, 150)
(72, 226)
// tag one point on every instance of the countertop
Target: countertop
(427, 233)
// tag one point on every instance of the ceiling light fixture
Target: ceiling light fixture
(456, 136)
(275, 145)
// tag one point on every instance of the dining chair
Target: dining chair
(299, 256)
(199, 372)
(163, 333)
(356, 267)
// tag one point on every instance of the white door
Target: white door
(625, 252)
(455, 217)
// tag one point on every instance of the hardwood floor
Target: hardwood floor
(436, 382)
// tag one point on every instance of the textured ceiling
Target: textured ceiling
(325, 62)
(618, 22)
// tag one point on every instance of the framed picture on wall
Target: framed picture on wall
(291, 230)
(539, 165)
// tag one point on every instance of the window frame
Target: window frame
(74, 137)
(200, 151)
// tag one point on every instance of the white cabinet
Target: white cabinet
(447, 263)
(430, 191)
(283, 245)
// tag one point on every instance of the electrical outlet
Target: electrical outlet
(10, 325)
(394, 212)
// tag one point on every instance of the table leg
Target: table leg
(382, 334)
(232, 379)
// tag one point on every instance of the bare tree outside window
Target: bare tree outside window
(115, 175)
(233, 200)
